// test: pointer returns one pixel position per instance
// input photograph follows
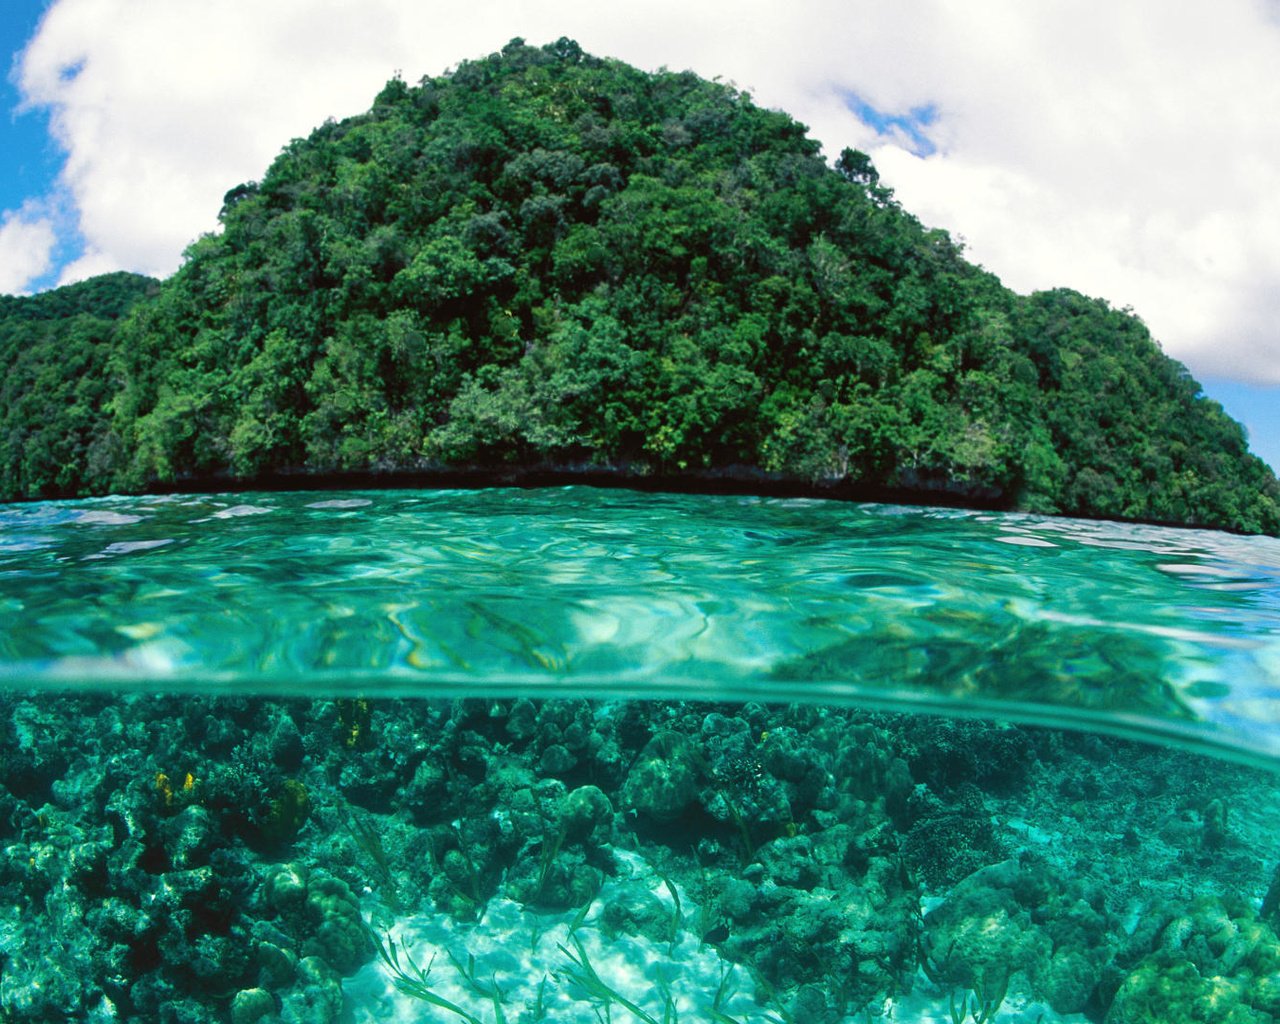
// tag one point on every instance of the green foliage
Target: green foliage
(55, 434)
(547, 259)
(1135, 437)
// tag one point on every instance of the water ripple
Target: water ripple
(604, 591)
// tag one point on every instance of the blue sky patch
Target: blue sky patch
(910, 128)
(29, 160)
(1257, 406)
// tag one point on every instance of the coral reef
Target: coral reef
(197, 859)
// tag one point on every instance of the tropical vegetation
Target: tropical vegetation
(544, 260)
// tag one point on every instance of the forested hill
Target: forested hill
(56, 350)
(545, 259)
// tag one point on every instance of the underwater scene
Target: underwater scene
(580, 755)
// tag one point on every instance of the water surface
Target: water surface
(579, 591)
(582, 755)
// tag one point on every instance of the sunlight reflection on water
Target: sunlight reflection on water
(584, 590)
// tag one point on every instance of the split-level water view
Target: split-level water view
(577, 755)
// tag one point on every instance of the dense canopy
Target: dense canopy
(545, 260)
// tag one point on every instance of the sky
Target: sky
(1129, 149)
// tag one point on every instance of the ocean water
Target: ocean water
(572, 754)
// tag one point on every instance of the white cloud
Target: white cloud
(88, 264)
(26, 249)
(1124, 148)
(1141, 164)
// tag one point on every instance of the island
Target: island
(548, 265)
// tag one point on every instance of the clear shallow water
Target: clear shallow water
(215, 805)
(568, 591)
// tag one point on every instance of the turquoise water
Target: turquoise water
(577, 755)
(583, 591)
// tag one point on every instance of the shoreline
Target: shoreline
(743, 481)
